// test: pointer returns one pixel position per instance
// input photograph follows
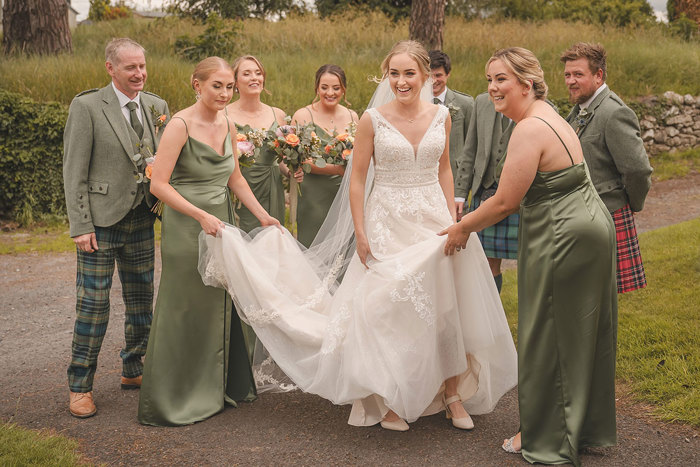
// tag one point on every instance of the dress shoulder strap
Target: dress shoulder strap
(183, 121)
(310, 114)
(562, 141)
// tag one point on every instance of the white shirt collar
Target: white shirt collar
(595, 94)
(442, 95)
(123, 99)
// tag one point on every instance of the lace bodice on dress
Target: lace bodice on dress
(395, 161)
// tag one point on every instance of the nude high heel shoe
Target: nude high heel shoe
(395, 425)
(464, 423)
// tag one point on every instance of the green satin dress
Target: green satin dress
(317, 194)
(567, 318)
(196, 358)
(264, 179)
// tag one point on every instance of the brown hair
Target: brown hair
(204, 69)
(334, 70)
(413, 49)
(525, 67)
(116, 45)
(594, 53)
(237, 65)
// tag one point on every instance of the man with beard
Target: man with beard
(613, 150)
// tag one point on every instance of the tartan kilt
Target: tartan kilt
(630, 269)
(499, 240)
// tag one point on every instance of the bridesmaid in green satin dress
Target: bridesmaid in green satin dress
(196, 358)
(250, 113)
(327, 115)
(567, 296)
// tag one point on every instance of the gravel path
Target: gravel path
(36, 322)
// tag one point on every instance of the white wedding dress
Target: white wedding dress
(388, 336)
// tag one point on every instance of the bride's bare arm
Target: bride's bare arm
(445, 172)
(362, 154)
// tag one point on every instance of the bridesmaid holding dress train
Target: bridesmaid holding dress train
(196, 360)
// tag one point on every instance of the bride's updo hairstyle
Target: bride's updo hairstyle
(204, 69)
(334, 70)
(237, 65)
(525, 67)
(413, 49)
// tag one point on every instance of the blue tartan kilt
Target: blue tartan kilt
(499, 240)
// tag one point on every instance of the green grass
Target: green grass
(20, 446)
(642, 61)
(676, 164)
(659, 326)
(44, 239)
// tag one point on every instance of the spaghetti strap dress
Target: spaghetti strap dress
(196, 358)
(567, 317)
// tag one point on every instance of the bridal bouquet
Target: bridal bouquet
(339, 147)
(297, 146)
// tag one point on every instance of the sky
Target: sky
(83, 6)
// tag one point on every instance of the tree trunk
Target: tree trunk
(427, 22)
(36, 26)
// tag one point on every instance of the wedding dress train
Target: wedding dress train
(389, 335)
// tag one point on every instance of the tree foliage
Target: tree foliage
(220, 38)
(615, 12)
(395, 9)
(103, 10)
(235, 9)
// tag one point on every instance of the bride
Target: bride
(407, 331)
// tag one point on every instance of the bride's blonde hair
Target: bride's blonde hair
(413, 49)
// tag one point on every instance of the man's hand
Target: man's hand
(86, 242)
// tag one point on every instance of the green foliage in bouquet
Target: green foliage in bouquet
(297, 146)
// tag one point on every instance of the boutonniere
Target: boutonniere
(453, 109)
(159, 119)
(582, 119)
(144, 160)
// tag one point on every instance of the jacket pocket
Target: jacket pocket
(97, 187)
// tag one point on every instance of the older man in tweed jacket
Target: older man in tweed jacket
(109, 134)
(614, 152)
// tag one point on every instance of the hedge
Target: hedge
(31, 158)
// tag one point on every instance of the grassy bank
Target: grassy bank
(20, 446)
(659, 326)
(641, 61)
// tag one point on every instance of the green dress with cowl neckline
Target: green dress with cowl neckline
(196, 358)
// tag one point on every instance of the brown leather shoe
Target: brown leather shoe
(131, 383)
(82, 405)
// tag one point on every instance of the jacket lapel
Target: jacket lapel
(491, 119)
(592, 108)
(449, 96)
(116, 119)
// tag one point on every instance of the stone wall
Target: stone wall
(670, 122)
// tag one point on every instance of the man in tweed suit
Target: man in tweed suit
(614, 152)
(461, 107)
(109, 134)
(485, 150)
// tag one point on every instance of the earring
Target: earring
(197, 96)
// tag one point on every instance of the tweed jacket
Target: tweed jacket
(461, 109)
(99, 175)
(614, 152)
(478, 146)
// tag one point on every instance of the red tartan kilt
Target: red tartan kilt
(630, 269)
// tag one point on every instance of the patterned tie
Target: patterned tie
(135, 123)
(436, 101)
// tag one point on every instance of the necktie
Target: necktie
(436, 101)
(135, 123)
